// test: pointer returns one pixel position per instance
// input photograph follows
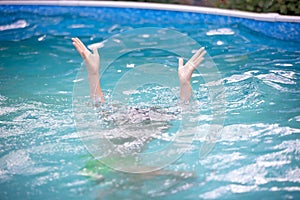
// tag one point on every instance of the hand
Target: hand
(91, 60)
(185, 71)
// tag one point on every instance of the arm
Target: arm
(185, 73)
(92, 63)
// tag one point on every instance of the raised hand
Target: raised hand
(92, 63)
(91, 60)
(185, 73)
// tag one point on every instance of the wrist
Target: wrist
(185, 83)
(93, 75)
(92, 71)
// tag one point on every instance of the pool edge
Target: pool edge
(269, 17)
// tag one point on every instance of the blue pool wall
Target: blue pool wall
(271, 25)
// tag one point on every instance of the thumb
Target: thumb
(95, 51)
(180, 62)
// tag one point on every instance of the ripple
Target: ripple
(220, 31)
(257, 153)
(274, 77)
(221, 191)
(237, 78)
(18, 162)
(16, 25)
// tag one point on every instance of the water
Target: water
(41, 156)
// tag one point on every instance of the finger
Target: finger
(95, 51)
(203, 53)
(81, 45)
(84, 52)
(75, 40)
(196, 55)
(77, 44)
(200, 58)
(180, 62)
(78, 48)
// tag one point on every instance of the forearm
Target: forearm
(95, 88)
(185, 92)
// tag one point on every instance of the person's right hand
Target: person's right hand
(91, 60)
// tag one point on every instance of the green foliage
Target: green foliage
(186, 2)
(286, 7)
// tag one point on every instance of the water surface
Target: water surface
(41, 156)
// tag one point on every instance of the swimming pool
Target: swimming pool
(41, 156)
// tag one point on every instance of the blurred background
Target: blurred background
(285, 7)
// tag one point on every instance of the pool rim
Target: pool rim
(267, 17)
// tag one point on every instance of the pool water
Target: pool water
(42, 157)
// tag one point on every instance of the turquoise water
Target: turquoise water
(41, 156)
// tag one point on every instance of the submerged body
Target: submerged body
(129, 130)
(120, 115)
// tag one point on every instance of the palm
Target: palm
(185, 71)
(91, 60)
